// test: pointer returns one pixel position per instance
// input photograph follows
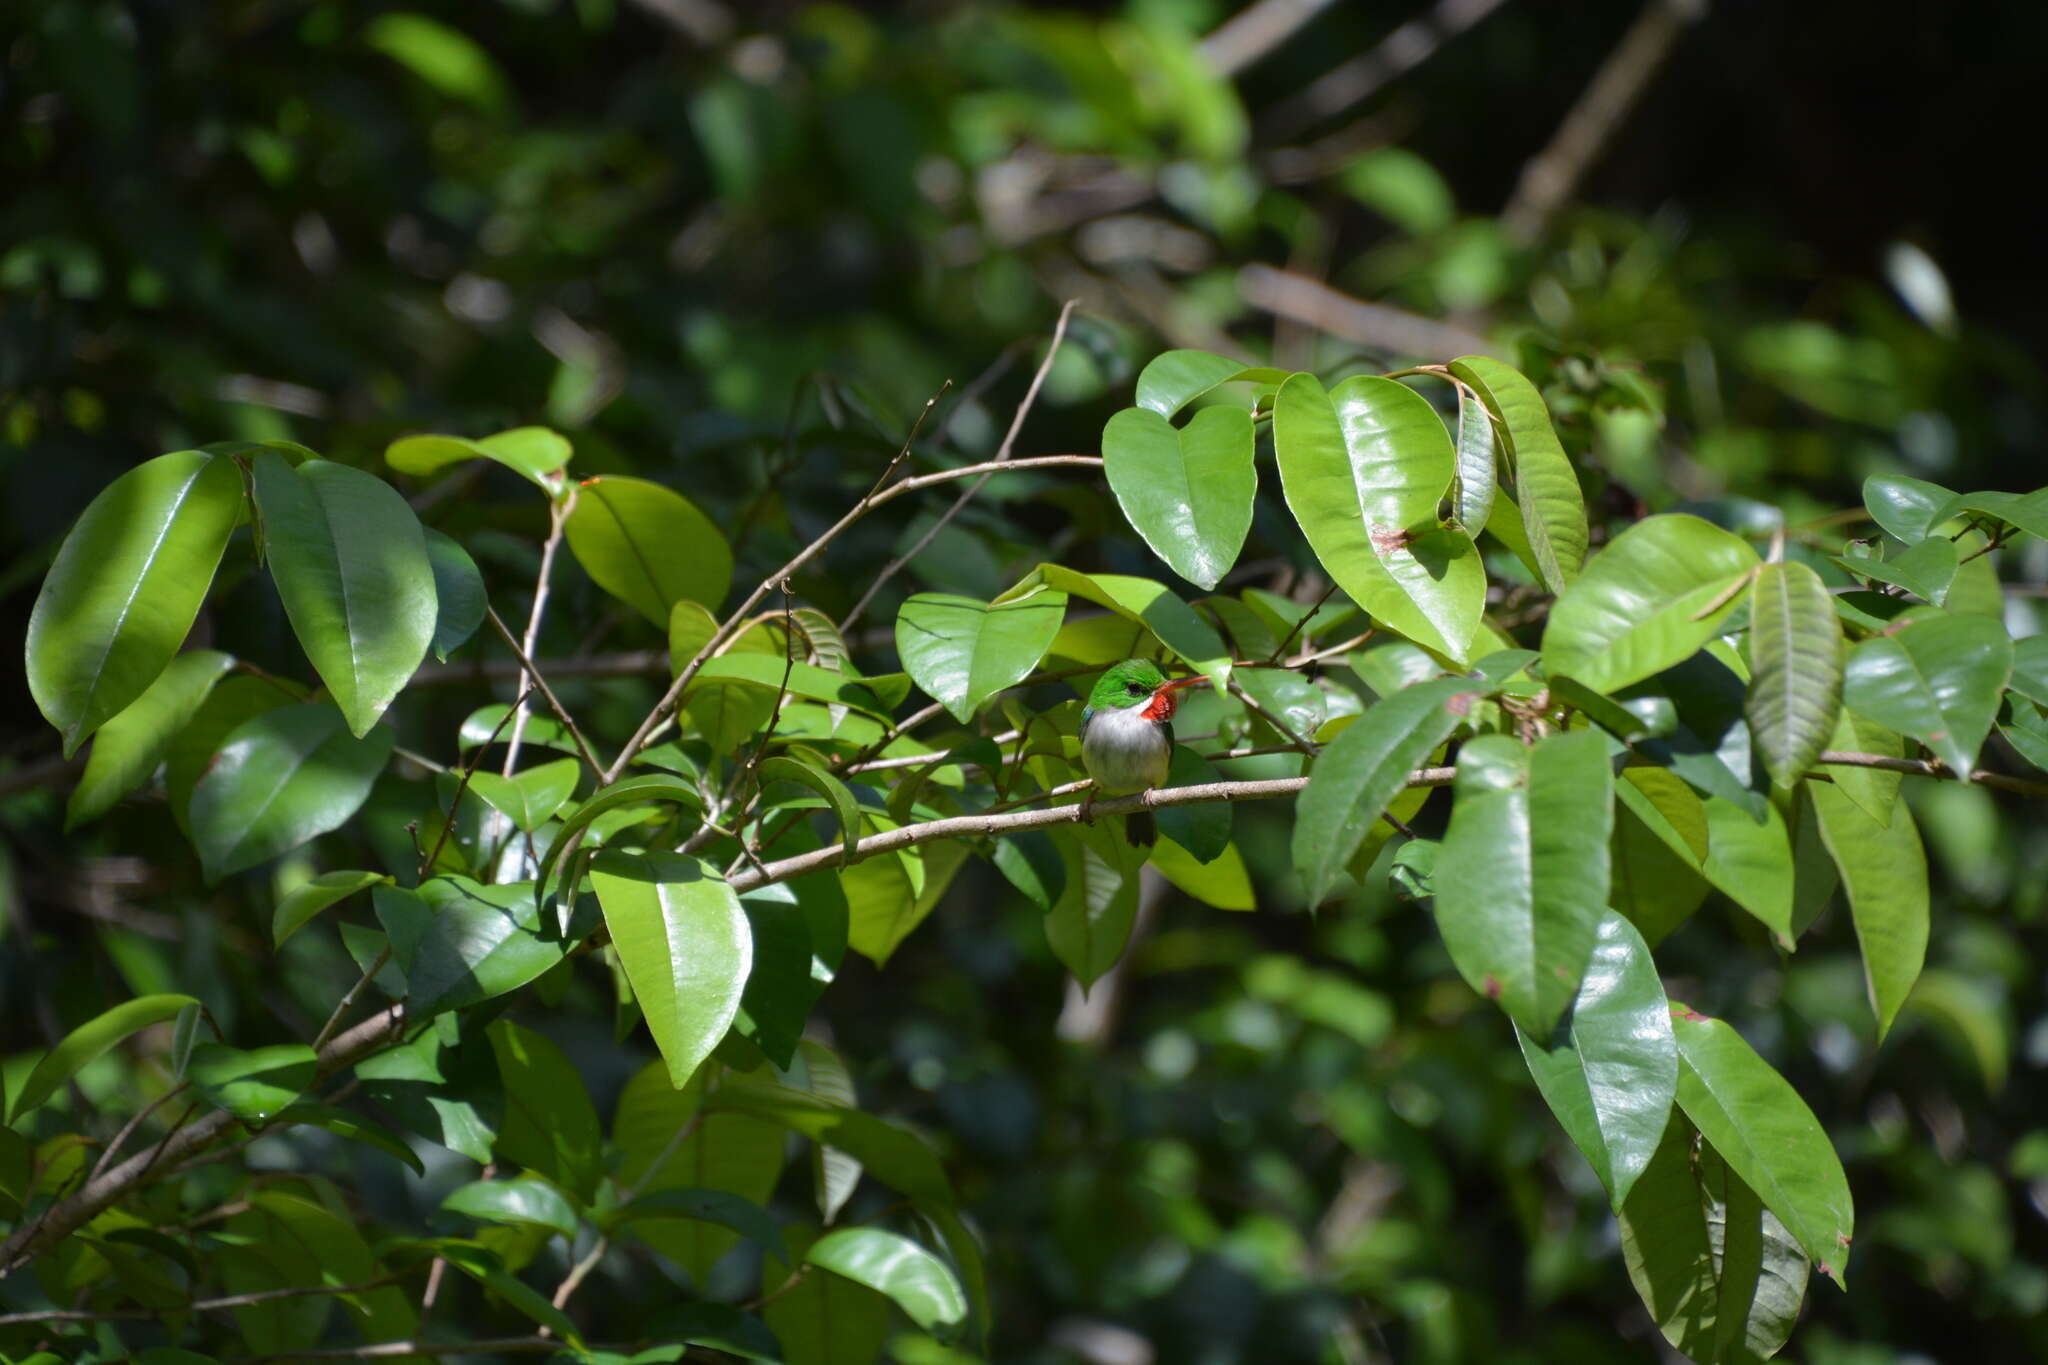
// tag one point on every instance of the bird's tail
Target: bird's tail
(1141, 829)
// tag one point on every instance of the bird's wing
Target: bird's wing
(1087, 714)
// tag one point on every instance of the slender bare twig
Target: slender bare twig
(196, 1306)
(1400, 52)
(1254, 31)
(1374, 325)
(532, 671)
(341, 1009)
(558, 521)
(1251, 704)
(1300, 625)
(127, 1129)
(1059, 333)
(382, 1349)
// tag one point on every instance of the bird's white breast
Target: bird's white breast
(1124, 752)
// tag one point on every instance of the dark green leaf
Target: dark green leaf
(2026, 512)
(1203, 829)
(743, 1216)
(131, 745)
(837, 797)
(355, 1128)
(125, 587)
(475, 943)
(459, 599)
(279, 780)
(310, 897)
(627, 792)
(1906, 507)
(350, 561)
(1031, 862)
(550, 1125)
(1795, 655)
(737, 1154)
(1188, 492)
(648, 546)
(254, 1085)
(1090, 924)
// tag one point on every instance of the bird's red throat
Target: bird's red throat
(1166, 700)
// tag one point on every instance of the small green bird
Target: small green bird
(1127, 735)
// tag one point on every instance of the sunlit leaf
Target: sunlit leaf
(921, 1284)
(683, 938)
(1795, 654)
(1938, 679)
(279, 780)
(962, 652)
(88, 1041)
(1546, 488)
(1189, 491)
(1884, 870)
(648, 546)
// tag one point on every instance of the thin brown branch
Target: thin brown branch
(1925, 767)
(1301, 625)
(532, 671)
(341, 1010)
(1059, 334)
(558, 520)
(1286, 731)
(1373, 325)
(1400, 52)
(1255, 30)
(227, 1301)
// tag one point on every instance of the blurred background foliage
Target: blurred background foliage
(735, 247)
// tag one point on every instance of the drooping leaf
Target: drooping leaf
(1031, 862)
(350, 561)
(444, 1084)
(86, 1042)
(1144, 602)
(524, 1199)
(355, 1128)
(1769, 1138)
(304, 1243)
(1361, 771)
(823, 1319)
(459, 599)
(1926, 569)
(1938, 680)
(1476, 479)
(1363, 467)
(1522, 882)
(781, 986)
(1610, 1072)
(130, 745)
(125, 586)
(1795, 655)
(962, 652)
(684, 940)
(534, 453)
(550, 1125)
(648, 546)
(739, 1155)
(1546, 488)
(1189, 491)
(477, 1263)
(281, 779)
(1223, 882)
(1651, 599)
(1751, 861)
(626, 792)
(298, 906)
(1720, 1275)
(1884, 870)
(921, 1284)
(252, 1085)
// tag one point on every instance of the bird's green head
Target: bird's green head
(1133, 682)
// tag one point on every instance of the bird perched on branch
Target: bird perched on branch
(1127, 735)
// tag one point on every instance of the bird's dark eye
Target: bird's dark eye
(1135, 689)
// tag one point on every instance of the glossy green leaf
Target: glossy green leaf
(1884, 870)
(298, 906)
(2030, 668)
(529, 799)
(1189, 491)
(823, 1319)
(1364, 467)
(1908, 508)
(1522, 882)
(1090, 925)
(355, 1128)
(781, 985)
(1223, 882)
(2026, 512)
(1926, 569)
(526, 1199)
(625, 793)
(1476, 478)
(279, 780)
(130, 745)
(837, 797)
(444, 1084)
(1938, 680)
(350, 561)
(1148, 605)
(1031, 862)
(683, 938)
(743, 1216)
(962, 652)
(549, 1125)
(534, 453)
(252, 1085)
(1651, 599)
(86, 1042)
(1874, 789)
(1720, 1275)
(1751, 861)
(1173, 379)
(1546, 488)
(542, 731)
(125, 586)
(459, 598)
(648, 546)
(474, 942)
(1769, 1138)
(1363, 769)
(1610, 1072)
(1795, 657)
(922, 1285)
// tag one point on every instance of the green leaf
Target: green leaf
(921, 1284)
(254, 1085)
(737, 1154)
(542, 731)
(1547, 490)
(1223, 882)
(125, 586)
(629, 791)
(2030, 668)
(1031, 862)
(2026, 512)
(1721, 1276)
(1769, 1138)
(459, 598)
(233, 701)
(1795, 657)
(86, 1042)
(1651, 599)
(1090, 925)
(350, 561)
(550, 1125)
(309, 898)
(1926, 569)
(648, 546)
(743, 1216)
(1874, 789)
(484, 1268)
(1884, 870)
(1148, 605)
(355, 1128)
(527, 1199)
(889, 896)
(304, 1243)
(443, 1085)
(534, 453)
(1655, 884)
(1173, 379)
(683, 938)
(1476, 480)
(962, 652)
(131, 745)
(835, 792)
(1202, 829)
(529, 799)
(766, 674)
(1938, 679)
(1610, 1073)
(781, 986)
(1751, 862)
(280, 779)
(1188, 492)
(823, 1319)
(1905, 507)
(1363, 769)
(721, 1327)
(475, 942)
(1522, 882)
(1363, 468)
